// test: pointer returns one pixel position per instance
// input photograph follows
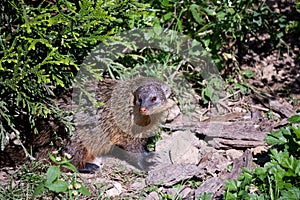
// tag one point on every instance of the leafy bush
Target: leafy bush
(42, 46)
(223, 26)
(278, 178)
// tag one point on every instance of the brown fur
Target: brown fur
(117, 123)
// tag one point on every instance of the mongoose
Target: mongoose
(130, 111)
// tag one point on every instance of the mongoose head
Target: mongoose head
(152, 98)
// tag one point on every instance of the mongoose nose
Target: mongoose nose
(143, 110)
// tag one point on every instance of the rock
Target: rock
(186, 193)
(212, 185)
(152, 196)
(173, 113)
(213, 162)
(180, 147)
(116, 190)
(233, 154)
(172, 174)
(138, 184)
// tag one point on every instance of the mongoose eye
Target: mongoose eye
(153, 99)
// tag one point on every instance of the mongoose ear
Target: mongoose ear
(166, 89)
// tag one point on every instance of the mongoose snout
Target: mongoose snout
(151, 98)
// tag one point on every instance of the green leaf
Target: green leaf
(52, 158)
(209, 12)
(293, 193)
(232, 185)
(38, 190)
(294, 119)
(249, 73)
(297, 169)
(296, 130)
(221, 15)
(165, 3)
(179, 25)
(279, 156)
(83, 190)
(157, 29)
(230, 196)
(52, 174)
(289, 162)
(167, 16)
(275, 138)
(196, 13)
(58, 186)
(209, 91)
(286, 131)
(245, 177)
(261, 173)
(70, 167)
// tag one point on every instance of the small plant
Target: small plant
(213, 91)
(278, 178)
(30, 181)
(205, 196)
(22, 182)
(59, 184)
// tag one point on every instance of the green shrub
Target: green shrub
(223, 27)
(43, 44)
(280, 177)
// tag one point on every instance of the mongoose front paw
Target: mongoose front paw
(89, 168)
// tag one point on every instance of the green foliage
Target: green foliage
(220, 24)
(30, 181)
(287, 138)
(226, 29)
(149, 52)
(279, 178)
(29, 176)
(58, 184)
(62, 161)
(204, 196)
(212, 90)
(42, 47)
